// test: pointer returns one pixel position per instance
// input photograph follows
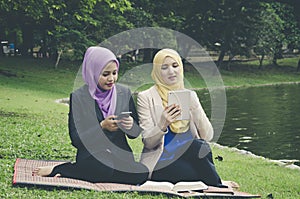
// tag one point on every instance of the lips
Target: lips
(110, 84)
(172, 78)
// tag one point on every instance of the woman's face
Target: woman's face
(170, 71)
(108, 76)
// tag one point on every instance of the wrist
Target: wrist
(163, 128)
(163, 124)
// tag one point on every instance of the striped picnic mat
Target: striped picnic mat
(23, 178)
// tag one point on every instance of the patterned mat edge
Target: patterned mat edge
(23, 177)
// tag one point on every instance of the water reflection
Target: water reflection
(263, 120)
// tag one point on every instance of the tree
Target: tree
(88, 22)
(278, 28)
(270, 33)
(158, 14)
(291, 27)
(294, 18)
(70, 27)
(232, 25)
(23, 17)
(64, 26)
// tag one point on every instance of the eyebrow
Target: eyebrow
(175, 62)
(109, 71)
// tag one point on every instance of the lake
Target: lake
(264, 120)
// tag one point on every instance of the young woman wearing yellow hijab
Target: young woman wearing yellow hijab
(174, 150)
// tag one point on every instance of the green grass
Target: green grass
(249, 74)
(34, 126)
(257, 175)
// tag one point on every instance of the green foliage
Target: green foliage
(72, 26)
(270, 32)
(233, 26)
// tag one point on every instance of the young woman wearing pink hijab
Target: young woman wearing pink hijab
(103, 154)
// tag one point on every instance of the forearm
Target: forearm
(203, 124)
(152, 137)
(134, 132)
(76, 142)
(152, 133)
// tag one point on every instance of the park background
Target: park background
(252, 43)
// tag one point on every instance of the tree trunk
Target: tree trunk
(221, 58)
(298, 68)
(147, 55)
(274, 61)
(261, 61)
(229, 62)
(27, 36)
(58, 58)
(2, 36)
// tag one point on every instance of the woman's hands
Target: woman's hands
(168, 116)
(126, 122)
(111, 123)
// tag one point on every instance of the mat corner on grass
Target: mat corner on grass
(23, 178)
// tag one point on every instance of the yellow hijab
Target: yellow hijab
(179, 126)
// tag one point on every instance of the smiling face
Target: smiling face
(170, 71)
(108, 76)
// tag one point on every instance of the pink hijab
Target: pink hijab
(95, 59)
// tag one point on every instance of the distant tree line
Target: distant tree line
(230, 27)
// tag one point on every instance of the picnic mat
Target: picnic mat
(23, 178)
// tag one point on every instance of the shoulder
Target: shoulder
(81, 95)
(193, 92)
(149, 96)
(122, 88)
(82, 91)
(148, 92)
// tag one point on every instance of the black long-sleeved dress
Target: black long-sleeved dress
(102, 156)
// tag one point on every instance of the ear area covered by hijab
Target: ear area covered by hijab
(95, 60)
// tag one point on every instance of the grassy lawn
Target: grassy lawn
(34, 126)
(249, 74)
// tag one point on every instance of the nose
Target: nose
(110, 78)
(170, 70)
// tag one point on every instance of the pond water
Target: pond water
(263, 120)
